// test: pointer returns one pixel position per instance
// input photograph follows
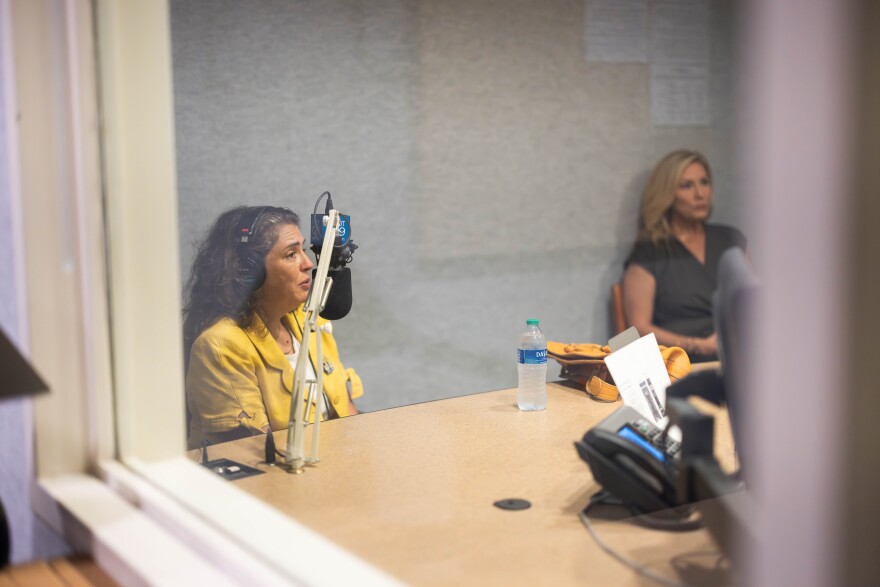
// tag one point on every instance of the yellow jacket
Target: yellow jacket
(238, 380)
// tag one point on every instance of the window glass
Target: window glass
(491, 164)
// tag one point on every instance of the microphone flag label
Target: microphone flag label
(531, 356)
(344, 230)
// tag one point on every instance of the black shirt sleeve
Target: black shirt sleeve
(729, 236)
(646, 255)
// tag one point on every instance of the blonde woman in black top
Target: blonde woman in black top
(672, 270)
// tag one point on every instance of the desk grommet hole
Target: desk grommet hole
(513, 504)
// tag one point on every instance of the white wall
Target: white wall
(491, 172)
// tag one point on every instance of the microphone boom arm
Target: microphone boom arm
(315, 302)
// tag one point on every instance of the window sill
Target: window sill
(169, 522)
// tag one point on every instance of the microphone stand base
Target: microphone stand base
(296, 466)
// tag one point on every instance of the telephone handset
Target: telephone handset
(633, 460)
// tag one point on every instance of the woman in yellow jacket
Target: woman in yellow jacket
(243, 325)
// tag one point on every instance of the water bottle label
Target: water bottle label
(531, 356)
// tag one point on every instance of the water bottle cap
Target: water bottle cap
(532, 322)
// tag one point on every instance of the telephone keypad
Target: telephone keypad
(654, 435)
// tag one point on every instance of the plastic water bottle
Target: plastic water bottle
(531, 394)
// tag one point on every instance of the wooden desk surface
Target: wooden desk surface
(411, 490)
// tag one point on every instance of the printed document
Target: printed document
(641, 377)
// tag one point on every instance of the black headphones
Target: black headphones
(252, 266)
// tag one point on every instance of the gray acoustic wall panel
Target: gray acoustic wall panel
(491, 172)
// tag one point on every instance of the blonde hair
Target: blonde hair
(659, 194)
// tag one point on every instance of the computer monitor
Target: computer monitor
(733, 304)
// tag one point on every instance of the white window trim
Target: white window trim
(156, 518)
(125, 541)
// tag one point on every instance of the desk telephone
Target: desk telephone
(634, 460)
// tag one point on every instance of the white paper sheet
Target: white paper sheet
(680, 31)
(680, 57)
(616, 30)
(641, 378)
(680, 95)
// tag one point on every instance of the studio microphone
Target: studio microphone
(339, 301)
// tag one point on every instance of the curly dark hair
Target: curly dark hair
(216, 287)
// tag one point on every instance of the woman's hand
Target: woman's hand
(699, 346)
(710, 345)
